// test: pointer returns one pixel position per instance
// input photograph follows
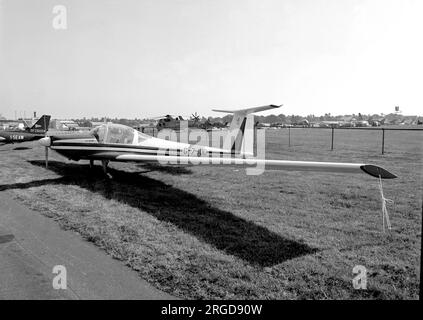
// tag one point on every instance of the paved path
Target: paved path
(32, 244)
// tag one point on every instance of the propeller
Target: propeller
(195, 116)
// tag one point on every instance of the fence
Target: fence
(333, 129)
(153, 132)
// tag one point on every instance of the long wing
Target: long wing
(372, 170)
(88, 150)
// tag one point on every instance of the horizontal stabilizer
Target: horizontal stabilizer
(249, 110)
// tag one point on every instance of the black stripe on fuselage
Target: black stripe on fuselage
(78, 150)
(104, 154)
(100, 145)
(19, 136)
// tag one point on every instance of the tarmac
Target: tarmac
(31, 245)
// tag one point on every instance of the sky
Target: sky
(144, 58)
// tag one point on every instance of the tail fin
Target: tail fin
(41, 125)
(240, 138)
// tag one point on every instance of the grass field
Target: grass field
(205, 232)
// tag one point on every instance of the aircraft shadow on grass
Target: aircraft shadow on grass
(223, 230)
(170, 169)
(22, 148)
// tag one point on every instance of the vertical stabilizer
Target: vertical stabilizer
(240, 137)
(41, 125)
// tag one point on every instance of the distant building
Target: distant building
(349, 119)
(362, 123)
(96, 123)
(302, 123)
(11, 124)
(408, 121)
(329, 124)
(264, 125)
(63, 124)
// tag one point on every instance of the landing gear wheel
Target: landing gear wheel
(104, 163)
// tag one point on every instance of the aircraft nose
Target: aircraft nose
(46, 141)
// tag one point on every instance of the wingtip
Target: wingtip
(377, 172)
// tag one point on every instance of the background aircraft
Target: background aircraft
(36, 132)
(114, 142)
(174, 123)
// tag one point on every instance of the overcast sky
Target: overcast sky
(153, 57)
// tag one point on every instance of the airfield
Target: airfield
(217, 233)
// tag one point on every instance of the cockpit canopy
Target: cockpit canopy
(112, 133)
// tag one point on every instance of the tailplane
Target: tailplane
(240, 138)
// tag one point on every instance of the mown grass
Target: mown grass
(205, 232)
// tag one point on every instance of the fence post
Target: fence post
(383, 140)
(333, 129)
(289, 136)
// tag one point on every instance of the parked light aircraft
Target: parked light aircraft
(37, 131)
(174, 123)
(115, 142)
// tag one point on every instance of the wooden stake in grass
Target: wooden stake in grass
(289, 136)
(383, 140)
(46, 153)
